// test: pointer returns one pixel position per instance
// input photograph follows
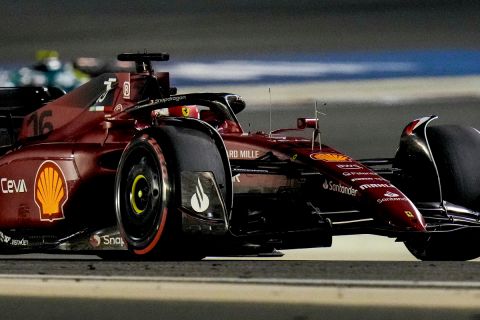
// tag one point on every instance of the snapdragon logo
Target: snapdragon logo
(4, 238)
(331, 186)
(106, 240)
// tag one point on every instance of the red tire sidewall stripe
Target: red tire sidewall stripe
(157, 237)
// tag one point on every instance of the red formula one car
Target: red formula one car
(122, 166)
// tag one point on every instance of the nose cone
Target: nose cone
(403, 216)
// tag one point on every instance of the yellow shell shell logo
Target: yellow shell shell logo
(330, 157)
(50, 191)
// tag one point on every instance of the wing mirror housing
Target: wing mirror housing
(303, 123)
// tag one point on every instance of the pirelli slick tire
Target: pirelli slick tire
(143, 195)
(455, 150)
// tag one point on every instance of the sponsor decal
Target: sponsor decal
(118, 108)
(330, 157)
(379, 201)
(4, 238)
(391, 196)
(362, 179)
(95, 240)
(409, 214)
(359, 173)
(169, 99)
(375, 185)
(50, 191)
(13, 242)
(294, 157)
(243, 154)
(368, 179)
(332, 186)
(19, 242)
(126, 90)
(349, 166)
(108, 86)
(39, 122)
(106, 240)
(185, 111)
(199, 200)
(13, 186)
(97, 108)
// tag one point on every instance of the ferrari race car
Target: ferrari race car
(125, 167)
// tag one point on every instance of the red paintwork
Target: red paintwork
(81, 137)
(394, 212)
(79, 140)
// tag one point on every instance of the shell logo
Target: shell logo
(330, 157)
(50, 191)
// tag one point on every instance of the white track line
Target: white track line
(415, 284)
(232, 290)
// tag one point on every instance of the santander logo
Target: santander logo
(199, 200)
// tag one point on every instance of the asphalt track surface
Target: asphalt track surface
(53, 289)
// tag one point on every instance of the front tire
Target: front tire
(455, 150)
(143, 196)
(456, 246)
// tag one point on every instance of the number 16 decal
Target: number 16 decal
(39, 123)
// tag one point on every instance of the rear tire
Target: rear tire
(456, 150)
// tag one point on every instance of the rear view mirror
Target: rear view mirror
(303, 123)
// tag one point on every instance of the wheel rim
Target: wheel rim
(139, 202)
(140, 193)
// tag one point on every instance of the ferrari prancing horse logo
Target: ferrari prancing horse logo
(50, 191)
(409, 214)
(185, 111)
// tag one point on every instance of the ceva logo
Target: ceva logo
(13, 186)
